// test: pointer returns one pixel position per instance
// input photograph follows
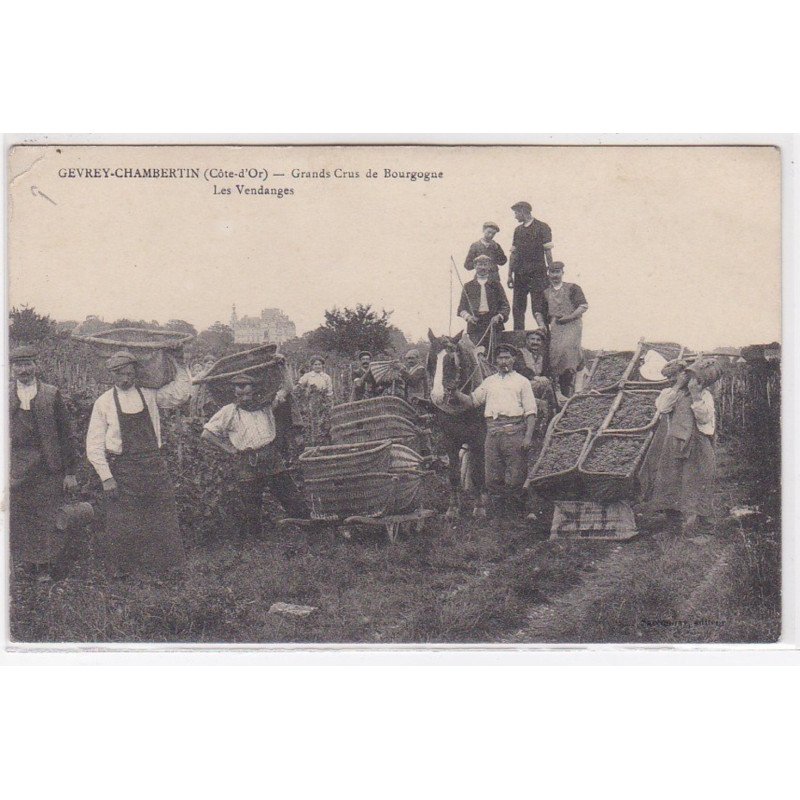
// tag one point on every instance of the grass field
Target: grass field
(497, 581)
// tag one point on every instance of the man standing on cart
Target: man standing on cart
(566, 305)
(246, 429)
(527, 269)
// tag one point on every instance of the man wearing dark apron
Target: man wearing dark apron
(142, 532)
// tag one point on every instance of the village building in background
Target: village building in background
(272, 325)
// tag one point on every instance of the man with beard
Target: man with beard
(123, 444)
(43, 462)
(246, 429)
(510, 412)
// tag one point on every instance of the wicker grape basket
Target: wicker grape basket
(369, 429)
(342, 460)
(155, 350)
(375, 494)
(262, 363)
(372, 407)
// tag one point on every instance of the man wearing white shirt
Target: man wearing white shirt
(510, 412)
(246, 428)
(483, 304)
(123, 444)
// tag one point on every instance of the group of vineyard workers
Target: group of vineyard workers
(526, 388)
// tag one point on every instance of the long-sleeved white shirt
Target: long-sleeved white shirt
(507, 395)
(104, 434)
(245, 430)
(703, 409)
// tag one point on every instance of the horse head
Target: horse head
(447, 363)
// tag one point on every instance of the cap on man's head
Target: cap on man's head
(507, 348)
(483, 261)
(413, 353)
(25, 352)
(556, 266)
(363, 353)
(539, 333)
(316, 357)
(243, 379)
(493, 225)
(522, 205)
(121, 359)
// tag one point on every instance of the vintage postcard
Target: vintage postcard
(394, 395)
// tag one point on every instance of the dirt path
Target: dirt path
(660, 579)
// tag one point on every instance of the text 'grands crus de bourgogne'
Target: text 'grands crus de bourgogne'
(386, 173)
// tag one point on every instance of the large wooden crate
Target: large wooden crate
(586, 519)
(155, 350)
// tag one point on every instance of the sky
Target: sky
(668, 243)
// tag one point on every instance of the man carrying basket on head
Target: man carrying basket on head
(123, 444)
(247, 429)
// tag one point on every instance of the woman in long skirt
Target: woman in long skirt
(684, 481)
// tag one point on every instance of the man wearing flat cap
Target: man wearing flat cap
(363, 380)
(527, 269)
(510, 413)
(247, 429)
(483, 305)
(123, 444)
(486, 246)
(43, 464)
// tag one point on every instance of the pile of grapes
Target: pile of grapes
(610, 369)
(562, 453)
(613, 454)
(585, 411)
(636, 410)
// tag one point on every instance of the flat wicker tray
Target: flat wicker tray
(564, 481)
(605, 487)
(650, 394)
(608, 386)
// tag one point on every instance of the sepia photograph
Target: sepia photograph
(393, 395)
